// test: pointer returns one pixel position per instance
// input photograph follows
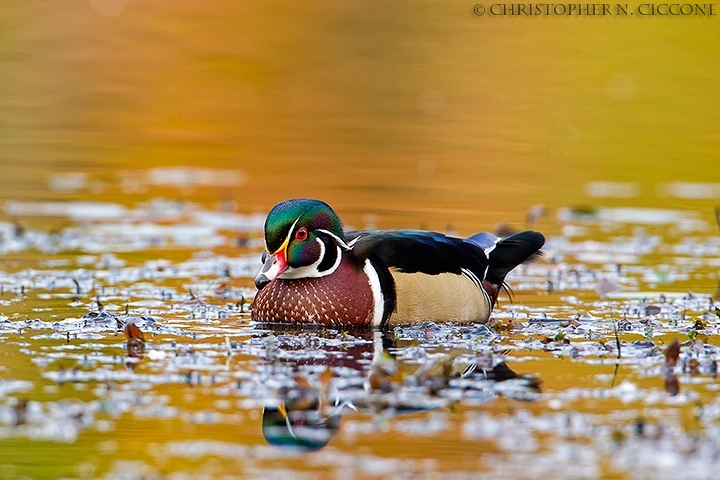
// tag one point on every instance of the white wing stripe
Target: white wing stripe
(376, 292)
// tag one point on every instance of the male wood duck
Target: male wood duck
(315, 273)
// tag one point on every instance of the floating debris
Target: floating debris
(141, 323)
(672, 353)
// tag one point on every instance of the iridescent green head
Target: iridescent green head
(298, 220)
(303, 238)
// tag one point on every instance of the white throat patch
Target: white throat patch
(311, 271)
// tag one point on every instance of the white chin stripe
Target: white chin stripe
(273, 271)
(311, 271)
(377, 293)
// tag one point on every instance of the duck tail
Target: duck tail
(510, 252)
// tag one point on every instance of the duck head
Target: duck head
(303, 239)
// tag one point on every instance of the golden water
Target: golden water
(420, 112)
(416, 114)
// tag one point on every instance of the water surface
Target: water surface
(142, 144)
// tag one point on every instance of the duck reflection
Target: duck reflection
(325, 374)
(304, 423)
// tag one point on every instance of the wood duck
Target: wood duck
(313, 272)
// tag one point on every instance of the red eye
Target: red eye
(301, 234)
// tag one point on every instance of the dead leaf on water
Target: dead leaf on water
(672, 352)
(133, 332)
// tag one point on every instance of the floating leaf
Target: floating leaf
(132, 332)
(672, 352)
(699, 324)
(136, 341)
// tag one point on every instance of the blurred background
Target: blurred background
(399, 114)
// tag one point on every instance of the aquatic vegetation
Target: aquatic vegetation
(141, 333)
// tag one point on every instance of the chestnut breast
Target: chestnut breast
(343, 297)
